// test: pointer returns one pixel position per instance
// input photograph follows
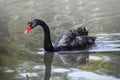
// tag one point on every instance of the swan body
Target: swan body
(76, 39)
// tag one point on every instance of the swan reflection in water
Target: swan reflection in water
(69, 59)
(48, 58)
(74, 59)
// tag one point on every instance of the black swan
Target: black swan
(76, 39)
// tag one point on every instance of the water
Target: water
(20, 54)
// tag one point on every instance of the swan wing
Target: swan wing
(74, 40)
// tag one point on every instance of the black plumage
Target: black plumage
(76, 39)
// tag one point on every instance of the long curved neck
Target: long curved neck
(47, 39)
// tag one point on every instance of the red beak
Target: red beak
(28, 28)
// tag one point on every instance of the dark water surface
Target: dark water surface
(21, 54)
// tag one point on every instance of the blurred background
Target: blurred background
(18, 52)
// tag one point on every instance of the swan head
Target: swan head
(32, 24)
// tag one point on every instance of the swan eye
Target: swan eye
(31, 25)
